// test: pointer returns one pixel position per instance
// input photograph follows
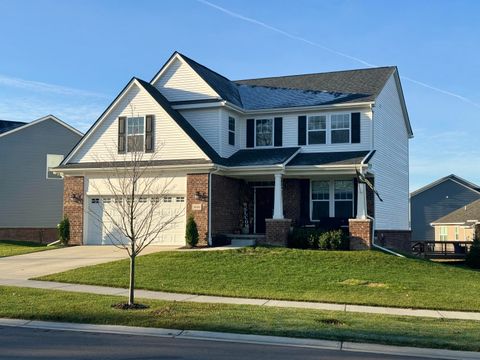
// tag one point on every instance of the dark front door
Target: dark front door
(263, 208)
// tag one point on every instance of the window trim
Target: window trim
(46, 167)
(443, 233)
(331, 197)
(457, 233)
(126, 133)
(328, 128)
(324, 130)
(344, 200)
(232, 131)
(255, 132)
(349, 128)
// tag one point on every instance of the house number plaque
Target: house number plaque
(196, 207)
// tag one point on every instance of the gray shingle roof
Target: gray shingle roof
(462, 215)
(254, 157)
(329, 158)
(6, 125)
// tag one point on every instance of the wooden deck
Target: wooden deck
(441, 249)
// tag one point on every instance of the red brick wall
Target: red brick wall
(360, 232)
(228, 196)
(276, 231)
(198, 183)
(292, 199)
(74, 209)
(38, 235)
(394, 239)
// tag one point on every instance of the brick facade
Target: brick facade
(394, 239)
(198, 183)
(360, 232)
(73, 209)
(38, 235)
(228, 197)
(292, 199)
(276, 231)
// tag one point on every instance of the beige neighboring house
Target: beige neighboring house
(459, 225)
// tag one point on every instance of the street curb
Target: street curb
(244, 338)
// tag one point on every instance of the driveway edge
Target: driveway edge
(244, 338)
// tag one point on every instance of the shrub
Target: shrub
(63, 231)
(308, 238)
(473, 256)
(300, 238)
(191, 234)
(333, 240)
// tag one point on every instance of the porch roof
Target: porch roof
(259, 157)
(331, 158)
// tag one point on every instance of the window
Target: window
(180, 199)
(106, 200)
(457, 233)
(443, 233)
(142, 199)
(317, 129)
(167, 199)
(340, 133)
(95, 201)
(343, 198)
(264, 132)
(52, 162)
(231, 130)
(320, 199)
(135, 134)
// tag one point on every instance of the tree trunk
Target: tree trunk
(131, 296)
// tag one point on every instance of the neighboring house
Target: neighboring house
(459, 225)
(438, 199)
(287, 148)
(30, 194)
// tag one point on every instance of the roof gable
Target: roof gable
(452, 177)
(21, 125)
(462, 215)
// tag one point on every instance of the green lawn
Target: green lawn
(53, 305)
(356, 277)
(11, 248)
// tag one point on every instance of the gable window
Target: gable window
(53, 161)
(343, 198)
(443, 233)
(231, 130)
(340, 124)
(317, 129)
(320, 196)
(264, 132)
(135, 134)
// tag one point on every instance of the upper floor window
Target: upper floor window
(443, 233)
(264, 132)
(317, 129)
(135, 134)
(53, 160)
(231, 130)
(340, 128)
(457, 233)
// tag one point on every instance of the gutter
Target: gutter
(209, 226)
(378, 246)
(297, 109)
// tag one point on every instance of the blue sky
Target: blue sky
(71, 58)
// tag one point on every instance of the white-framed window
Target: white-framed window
(340, 128)
(443, 233)
(263, 132)
(53, 160)
(95, 201)
(167, 199)
(135, 134)
(231, 130)
(317, 129)
(457, 232)
(106, 200)
(180, 199)
(142, 199)
(343, 198)
(320, 199)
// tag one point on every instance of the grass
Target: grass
(356, 277)
(50, 305)
(12, 248)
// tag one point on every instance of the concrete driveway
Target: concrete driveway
(41, 263)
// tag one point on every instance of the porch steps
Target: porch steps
(244, 240)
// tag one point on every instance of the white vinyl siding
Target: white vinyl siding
(171, 141)
(390, 162)
(179, 82)
(207, 123)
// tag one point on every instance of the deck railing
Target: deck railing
(441, 249)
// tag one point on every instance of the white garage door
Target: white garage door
(102, 214)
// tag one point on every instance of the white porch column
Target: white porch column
(362, 201)
(278, 198)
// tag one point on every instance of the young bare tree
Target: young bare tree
(134, 216)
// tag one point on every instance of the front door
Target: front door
(263, 207)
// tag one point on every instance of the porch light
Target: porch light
(201, 196)
(78, 198)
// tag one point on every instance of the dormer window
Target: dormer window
(135, 134)
(264, 132)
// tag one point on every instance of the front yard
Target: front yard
(357, 277)
(50, 305)
(12, 248)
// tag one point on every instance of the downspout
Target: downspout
(209, 241)
(378, 246)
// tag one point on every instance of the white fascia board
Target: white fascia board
(35, 122)
(447, 223)
(213, 104)
(200, 167)
(299, 108)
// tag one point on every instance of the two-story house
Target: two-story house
(280, 152)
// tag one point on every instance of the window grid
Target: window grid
(135, 134)
(320, 199)
(340, 128)
(317, 129)
(264, 132)
(443, 233)
(231, 130)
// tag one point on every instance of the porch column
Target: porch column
(278, 198)
(361, 201)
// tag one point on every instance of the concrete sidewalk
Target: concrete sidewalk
(159, 295)
(245, 339)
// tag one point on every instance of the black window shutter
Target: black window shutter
(149, 133)
(121, 134)
(278, 131)
(302, 130)
(250, 132)
(355, 119)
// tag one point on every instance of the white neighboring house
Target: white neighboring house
(30, 193)
(277, 151)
